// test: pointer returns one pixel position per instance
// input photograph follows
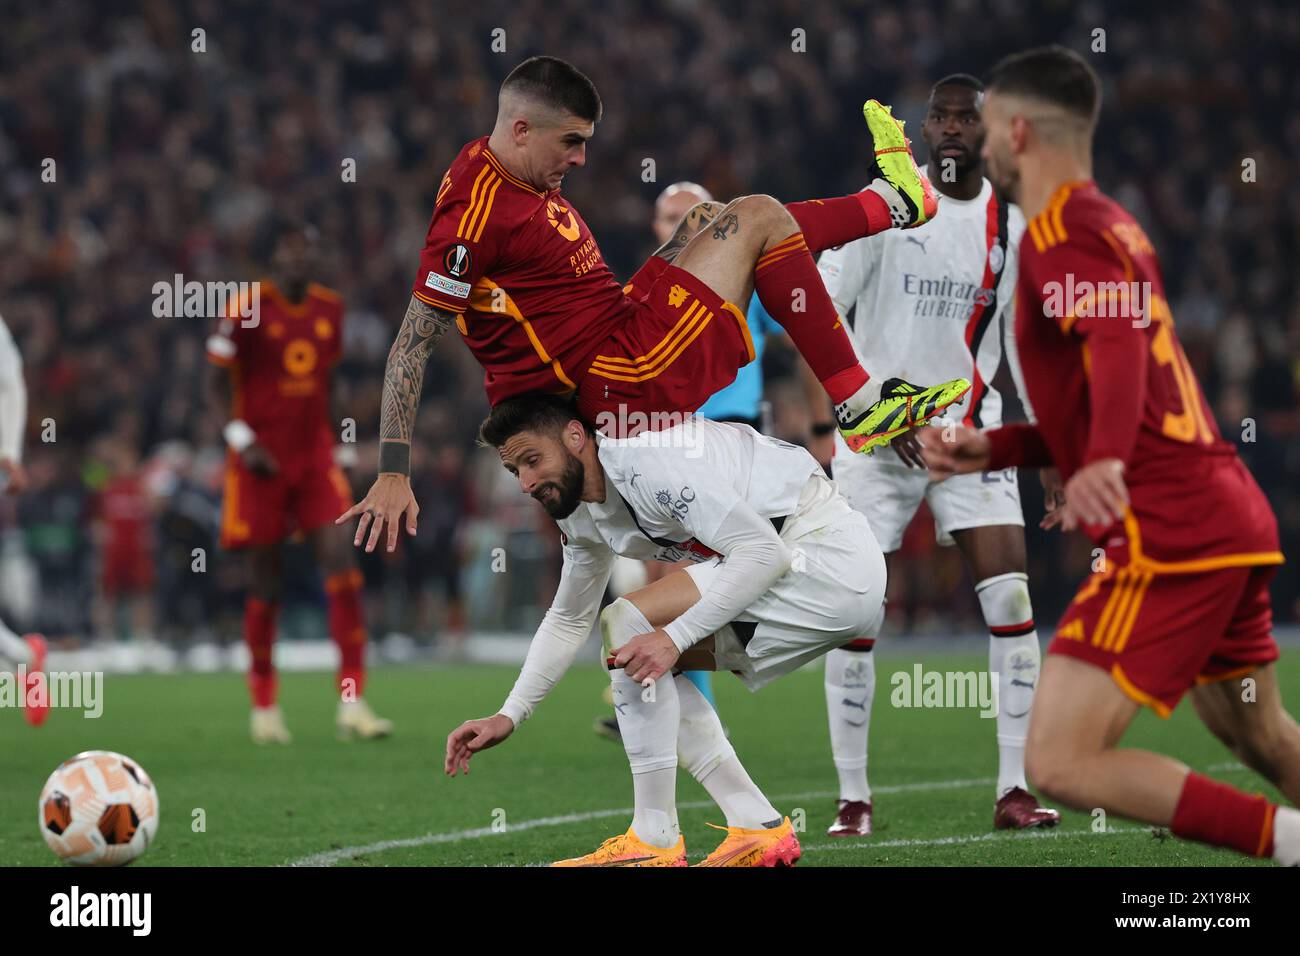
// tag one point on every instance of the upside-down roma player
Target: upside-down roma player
(1179, 602)
(281, 474)
(509, 263)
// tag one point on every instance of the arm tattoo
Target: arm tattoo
(421, 329)
(696, 218)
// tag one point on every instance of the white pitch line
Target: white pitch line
(1001, 837)
(864, 845)
(330, 857)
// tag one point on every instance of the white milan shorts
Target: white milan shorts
(888, 492)
(833, 593)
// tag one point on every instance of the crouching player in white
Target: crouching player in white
(935, 301)
(785, 570)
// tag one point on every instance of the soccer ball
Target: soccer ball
(99, 809)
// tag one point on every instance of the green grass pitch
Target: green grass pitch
(553, 789)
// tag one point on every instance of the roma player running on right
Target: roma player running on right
(510, 263)
(1189, 541)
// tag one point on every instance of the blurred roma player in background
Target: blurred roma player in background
(281, 474)
(1186, 542)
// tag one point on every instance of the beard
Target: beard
(561, 498)
(962, 163)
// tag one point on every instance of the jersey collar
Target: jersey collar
(272, 291)
(1065, 189)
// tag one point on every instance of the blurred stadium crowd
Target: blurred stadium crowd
(173, 161)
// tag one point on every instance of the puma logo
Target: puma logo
(919, 241)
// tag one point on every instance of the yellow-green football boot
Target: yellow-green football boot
(902, 406)
(896, 178)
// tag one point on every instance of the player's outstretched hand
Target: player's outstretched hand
(908, 448)
(953, 450)
(1096, 495)
(471, 737)
(647, 657)
(389, 498)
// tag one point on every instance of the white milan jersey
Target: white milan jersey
(935, 303)
(668, 491)
(706, 491)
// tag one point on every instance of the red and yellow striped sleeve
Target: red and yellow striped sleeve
(463, 238)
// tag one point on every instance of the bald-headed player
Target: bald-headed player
(1178, 601)
(511, 265)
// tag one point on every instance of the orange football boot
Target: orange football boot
(627, 849)
(775, 847)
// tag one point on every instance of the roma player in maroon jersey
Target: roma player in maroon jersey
(1186, 541)
(512, 266)
(281, 476)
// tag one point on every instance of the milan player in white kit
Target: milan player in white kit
(933, 303)
(27, 652)
(784, 571)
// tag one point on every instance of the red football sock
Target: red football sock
(343, 596)
(827, 223)
(259, 634)
(785, 277)
(1220, 815)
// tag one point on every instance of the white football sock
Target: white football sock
(1015, 657)
(899, 214)
(1286, 836)
(648, 719)
(857, 403)
(850, 689)
(705, 753)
